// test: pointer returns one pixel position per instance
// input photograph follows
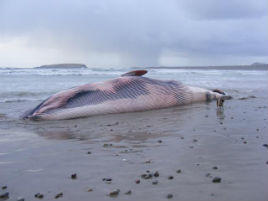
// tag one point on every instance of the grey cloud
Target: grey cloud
(139, 31)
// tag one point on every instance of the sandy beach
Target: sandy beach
(192, 152)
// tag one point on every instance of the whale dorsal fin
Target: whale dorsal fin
(135, 73)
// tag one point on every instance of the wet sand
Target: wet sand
(199, 151)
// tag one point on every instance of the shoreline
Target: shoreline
(202, 142)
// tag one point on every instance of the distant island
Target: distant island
(63, 66)
(254, 66)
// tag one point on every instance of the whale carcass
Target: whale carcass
(129, 93)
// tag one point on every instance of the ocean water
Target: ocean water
(22, 89)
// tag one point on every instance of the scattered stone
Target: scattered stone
(58, 195)
(267, 162)
(169, 196)
(215, 168)
(221, 123)
(242, 138)
(4, 195)
(170, 177)
(149, 161)
(114, 124)
(146, 176)
(90, 190)
(155, 182)
(206, 116)
(107, 179)
(257, 130)
(138, 181)
(74, 176)
(156, 174)
(75, 126)
(216, 180)
(107, 145)
(20, 199)
(159, 141)
(265, 145)
(4, 187)
(39, 195)
(208, 175)
(89, 152)
(182, 137)
(212, 194)
(128, 192)
(245, 142)
(195, 140)
(178, 171)
(114, 193)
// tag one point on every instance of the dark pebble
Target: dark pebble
(4, 187)
(155, 182)
(156, 174)
(4, 195)
(39, 195)
(169, 196)
(216, 180)
(128, 192)
(170, 177)
(267, 162)
(178, 171)
(90, 190)
(20, 199)
(58, 195)
(107, 179)
(146, 176)
(114, 193)
(195, 140)
(212, 194)
(208, 175)
(75, 126)
(221, 123)
(182, 137)
(245, 142)
(73, 176)
(107, 145)
(159, 141)
(257, 129)
(265, 145)
(215, 168)
(89, 152)
(138, 181)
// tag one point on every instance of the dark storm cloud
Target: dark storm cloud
(139, 32)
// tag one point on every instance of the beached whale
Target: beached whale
(129, 93)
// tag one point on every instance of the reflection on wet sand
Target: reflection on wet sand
(130, 127)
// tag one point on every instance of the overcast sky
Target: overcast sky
(124, 33)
